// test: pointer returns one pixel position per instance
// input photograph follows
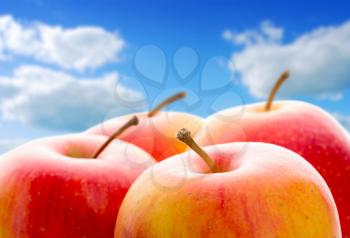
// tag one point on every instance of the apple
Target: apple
(262, 191)
(301, 127)
(155, 132)
(54, 187)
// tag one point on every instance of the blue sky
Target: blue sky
(66, 65)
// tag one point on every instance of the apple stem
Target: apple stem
(132, 122)
(275, 88)
(184, 135)
(166, 102)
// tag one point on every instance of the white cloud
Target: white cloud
(343, 119)
(267, 33)
(58, 101)
(318, 60)
(77, 48)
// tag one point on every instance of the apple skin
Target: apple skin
(261, 190)
(153, 134)
(53, 188)
(298, 126)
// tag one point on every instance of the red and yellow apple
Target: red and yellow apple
(54, 188)
(301, 127)
(256, 190)
(156, 129)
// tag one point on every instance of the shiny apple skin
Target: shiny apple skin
(52, 188)
(301, 127)
(261, 190)
(156, 134)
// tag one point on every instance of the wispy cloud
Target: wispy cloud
(318, 60)
(59, 101)
(267, 33)
(76, 48)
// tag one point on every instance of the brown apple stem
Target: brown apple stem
(184, 135)
(166, 102)
(275, 88)
(132, 122)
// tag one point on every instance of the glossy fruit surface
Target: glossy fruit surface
(260, 190)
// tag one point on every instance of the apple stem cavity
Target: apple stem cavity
(166, 102)
(184, 135)
(275, 88)
(132, 122)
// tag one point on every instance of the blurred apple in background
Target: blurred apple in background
(263, 191)
(54, 187)
(301, 127)
(155, 132)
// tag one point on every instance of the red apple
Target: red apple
(301, 127)
(261, 191)
(54, 188)
(155, 132)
